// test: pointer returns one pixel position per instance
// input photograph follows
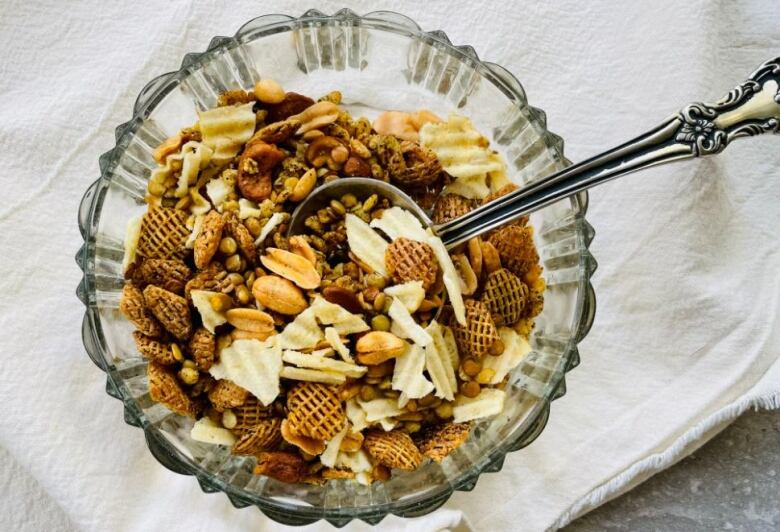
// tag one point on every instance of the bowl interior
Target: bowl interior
(380, 61)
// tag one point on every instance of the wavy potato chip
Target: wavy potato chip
(489, 402)
(439, 363)
(331, 452)
(396, 222)
(335, 341)
(132, 234)
(377, 409)
(472, 187)
(313, 361)
(197, 225)
(342, 320)
(253, 365)
(405, 326)
(211, 318)
(275, 219)
(207, 431)
(312, 375)
(452, 346)
(366, 244)
(356, 415)
(357, 462)
(302, 332)
(451, 278)
(226, 129)
(515, 349)
(411, 294)
(408, 375)
(217, 190)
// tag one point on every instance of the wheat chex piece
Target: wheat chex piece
(212, 279)
(535, 303)
(171, 310)
(394, 449)
(166, 390)
(281, 465)
(153, 349)
(439, 441)
(134, 308)
(170, 274)
(246, 243)
(207, 241)
(450, 206)
(478, 334)
(411, 260)
(503, 191)
(516, 248)
(505, 295)
(203, 348)
(264, 436)
(163, 233)
(315, 410)
(251, 413)
(227, 394)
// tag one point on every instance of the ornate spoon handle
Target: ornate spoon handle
(753, 107)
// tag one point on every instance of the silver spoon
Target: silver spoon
(699, 129)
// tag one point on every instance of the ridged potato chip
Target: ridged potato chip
(451, 278)
(356, 415)
(411, 294)
(335, 341)
(132, 234)
(396, 222)
(218, 190)
(207, 431)
(312, 375)
(357, 462)
(404, 325)
(439, 363)
(377, 409)
(302, 332)
(340, 318)
(472, 187)
(489, 402)
(275, 219)
(452, 346)
(253, 365)
(211, 318)
(197, 225)
(408, 375)
(313, 361)
(515, 349)
(366, 243)
(331, 452)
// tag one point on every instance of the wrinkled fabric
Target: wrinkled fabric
(686, 333)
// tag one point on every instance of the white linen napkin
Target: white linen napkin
(686, 331)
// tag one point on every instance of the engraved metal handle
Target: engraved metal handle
(699, 129)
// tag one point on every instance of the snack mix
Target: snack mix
(357, 348)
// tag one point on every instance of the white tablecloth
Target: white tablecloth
(686, 334)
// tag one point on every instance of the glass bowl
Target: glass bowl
(381, 60)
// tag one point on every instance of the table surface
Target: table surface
(731, 483)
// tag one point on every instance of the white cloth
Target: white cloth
(686, 333)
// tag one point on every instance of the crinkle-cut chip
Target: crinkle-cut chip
(366, 243)
(387, 423)
(275, 219)
(165, 389)
(313, 361)
(227, 394)
(408, 376)
(133, 307)
(439, 364)
(132, 233)
(515, 349)
(450, 277)
(192, 156)
(439, 441)
(248, 209)
(411, 294)
(312, 375)
(263, 436)
(211, 318)
(253, 365)
(301, 333)
(340, 318)
(335, 341)
(197, 227)
(207, 431)
(331, 452)
(356, 415)
(226, 129)
(405, 324)
(451, 345)
(489, 402)
(396, 222)
(163, 233)
(218, 190)
(471, 187)
(170, 309)
(394, 449)
(357, 462)
(377, 409)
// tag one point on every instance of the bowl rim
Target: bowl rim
(94, 342)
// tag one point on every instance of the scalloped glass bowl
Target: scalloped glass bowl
(379, 61)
